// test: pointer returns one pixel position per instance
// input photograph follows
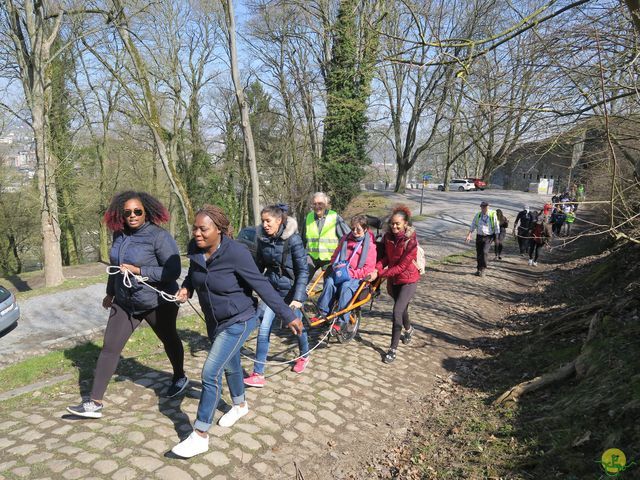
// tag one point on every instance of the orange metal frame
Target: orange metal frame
(353, 304)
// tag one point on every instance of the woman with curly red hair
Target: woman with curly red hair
(398, 266)
(142, 248)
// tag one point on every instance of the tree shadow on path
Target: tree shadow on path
(84, 358)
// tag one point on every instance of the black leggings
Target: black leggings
(401, 295)
(534, 248)
(500, 241)
(121, 326)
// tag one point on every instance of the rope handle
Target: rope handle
(126, 281)
(128, 274)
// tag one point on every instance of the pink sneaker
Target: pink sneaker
(254, 380)
(301, 364)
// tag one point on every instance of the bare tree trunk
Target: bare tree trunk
(48, 196)
(33, 29)
(148, 108)
(401, 178)
(244, 110)
(103, 233)
(14, 250)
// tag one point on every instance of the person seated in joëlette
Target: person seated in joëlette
(352, 261)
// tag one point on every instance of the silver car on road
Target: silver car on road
(9, 309)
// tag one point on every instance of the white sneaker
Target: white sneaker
(530, 262)
(191, 446)
(535, 264)
(233, 415)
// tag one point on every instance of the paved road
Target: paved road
(347, 408)
(450, 213)
(67, 317)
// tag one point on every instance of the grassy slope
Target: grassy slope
(143, 347)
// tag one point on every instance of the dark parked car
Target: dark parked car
(479, 183)
(247, 236)
(9, 309)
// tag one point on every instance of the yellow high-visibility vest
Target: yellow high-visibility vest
(320, 245)
(493, 219)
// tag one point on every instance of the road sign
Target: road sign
(426, 177)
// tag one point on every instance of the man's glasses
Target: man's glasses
(136, 211)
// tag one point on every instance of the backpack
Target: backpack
(421, 260)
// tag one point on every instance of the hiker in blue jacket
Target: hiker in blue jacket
(142, 248)
(224, 275)
(282, 256)
(558, 218)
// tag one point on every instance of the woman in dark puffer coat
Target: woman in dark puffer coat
(398, 267)
(143, 248)
(281, 255)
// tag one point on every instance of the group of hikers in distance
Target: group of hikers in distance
(533, 229)
(145, 267)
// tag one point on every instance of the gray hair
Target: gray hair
(321, 196)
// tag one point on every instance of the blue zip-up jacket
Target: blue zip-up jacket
(155, 251)
(224, 284)
(291, 279)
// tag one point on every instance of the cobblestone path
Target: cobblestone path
(323, 423)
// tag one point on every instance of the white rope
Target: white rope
(299, 356)
(278, 363)
(126, 281)
(127, 274)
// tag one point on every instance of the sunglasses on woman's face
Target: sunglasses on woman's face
(136, 211)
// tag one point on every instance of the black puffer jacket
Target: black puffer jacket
(155, 251)
(289, 279)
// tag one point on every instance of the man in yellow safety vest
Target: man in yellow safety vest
(322, 230)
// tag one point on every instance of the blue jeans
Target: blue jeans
(224, 355)
(343, 293)
(264, 334)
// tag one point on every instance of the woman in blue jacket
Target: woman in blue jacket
(141, 247)
(224, 275)
(282, 256)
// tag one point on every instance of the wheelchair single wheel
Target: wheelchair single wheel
(350, 330)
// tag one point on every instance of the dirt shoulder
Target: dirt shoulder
(579, 314)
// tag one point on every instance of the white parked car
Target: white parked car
(460, 184)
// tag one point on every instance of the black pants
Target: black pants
(534, 249)
(401, 295)
(121, 326)
(500, 242)
(523, 240)
(557, 228)
(483, 247)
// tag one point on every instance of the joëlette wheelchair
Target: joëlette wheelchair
(366, 292)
